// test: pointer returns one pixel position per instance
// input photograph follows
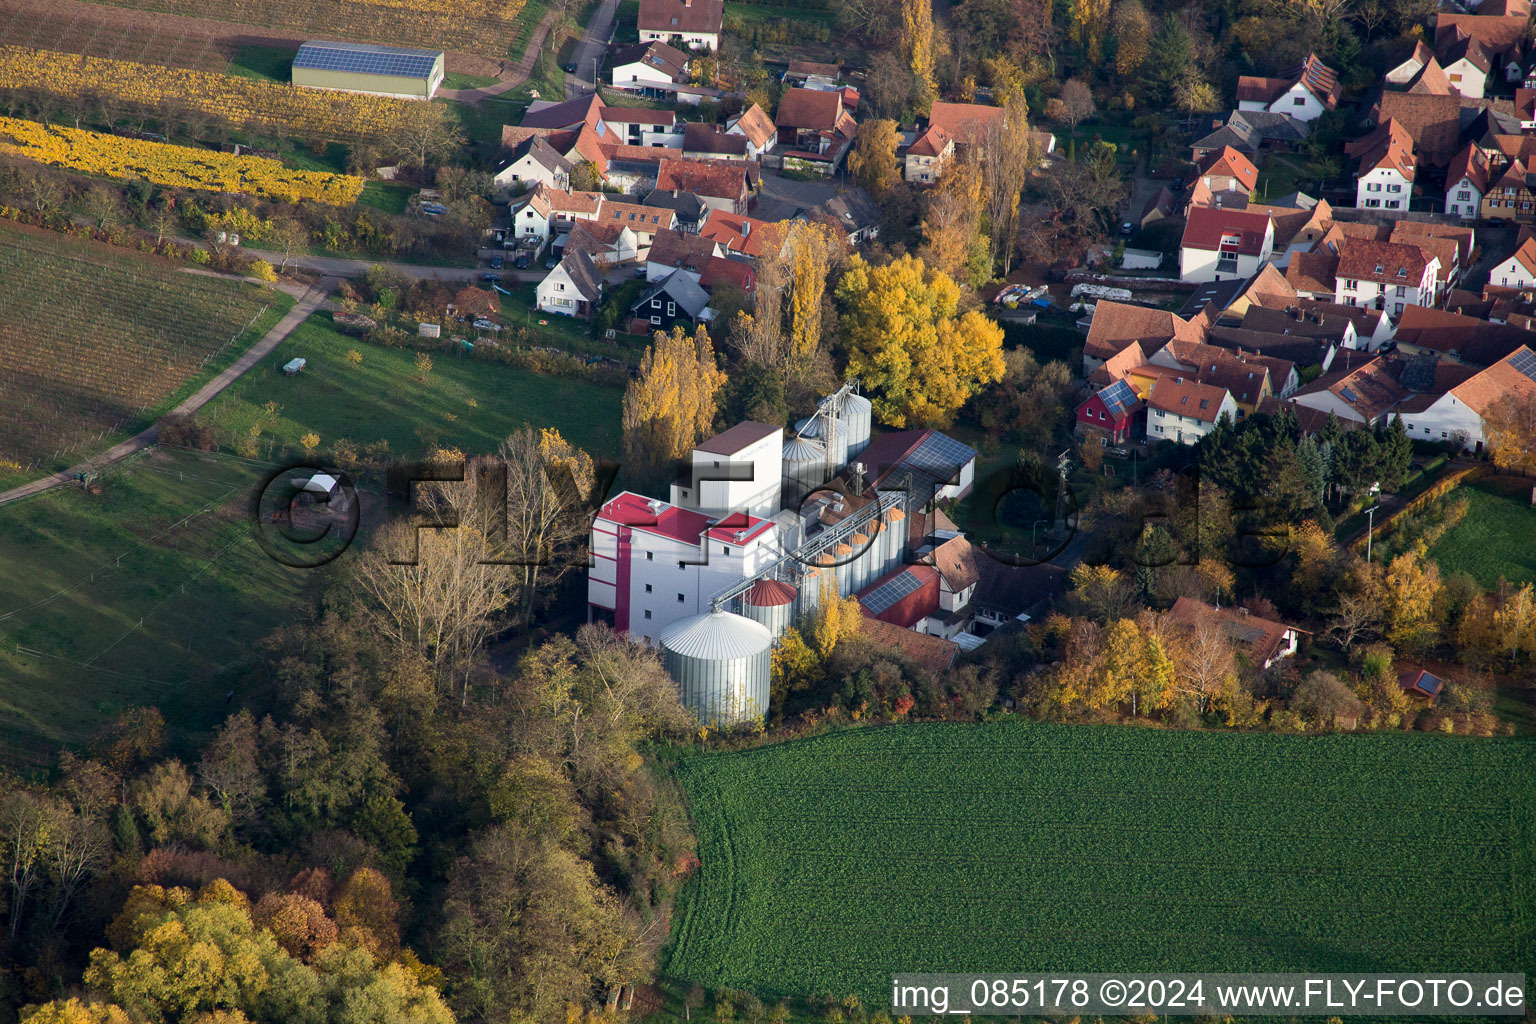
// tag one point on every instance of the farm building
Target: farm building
(364, 67)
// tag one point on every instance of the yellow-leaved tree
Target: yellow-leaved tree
(910, 346)
(671, 406)
(809, 250)
(917, 42)
(836, 619)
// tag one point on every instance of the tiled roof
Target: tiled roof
(1433, 122)
(578, 266)
(1431, 80)
(1187, 397)
(1116, 324)
(675, 249)
(739, 233)
(1388, 146)
(1472, 164)
(809, 109)
(1312, 271)
(1263, 638)
(638, 115)
(641, 218)
(1468, 49)
(679, 16)
(1311, 421)
(1499, 380)
(656, 54)
(756, 125)
(1207, 227)
(1470, 339)
(956, 562)
(1526, 255)
(965, 122)
(806, 68)
(931, 653)
(1368, 387)
(582, 110)
(723, 271)
(1381, 262)
(699, 137)
(932, 142)
(1122, 362)
(1230, 163)
(718, 179)
(1497, 34)
(1258, 89)
(738, 438)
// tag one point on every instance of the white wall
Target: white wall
(638, 73)
(1456, 206)
(557, 294)
(1382, 188)
(1466, 78)
(1511, 274)
(1168, 426)
(758, 496)
(1299, 102)
(690, 40)
(1200, 265)
(1445, 419)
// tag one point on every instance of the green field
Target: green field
(96, 342)
(1496, 537)
(462, 402)
(829, 863)
(270, 63)
(165, 544)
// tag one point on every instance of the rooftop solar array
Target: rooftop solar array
(1525, 362)
(1118, 398)
(940, 455)
(364, 58)
(890, 592)
(1349, 396)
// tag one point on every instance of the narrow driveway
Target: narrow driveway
(311, 301)
(515, 75)
(593, 44)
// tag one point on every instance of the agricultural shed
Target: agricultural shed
(367, 68)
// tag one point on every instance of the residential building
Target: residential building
(1116, 325)
(1248, 132)
(719, 184)
(648, 68)
(746, 236)
(1183, 410)
(1458, 338)
(533, 162)
(673, 250)
(1511, 192)
(1466, 180)
(1385, 275)
(1519, 271)
(1466, 65)
(1362, 391)
(757, 126)
(1109, 414)
(925, 159)
(605, 244)
(857, 215)
(966, 123)
(814, 127)
(641, 126)
(1459, 412)
(1433, 122)
(1220, 243)
(1303, 92)
(1227, 170)
(573, 288)
(1263, 641)
(687, 209)
(686, 24)
(806, 74)
(1384, 180)
(713, 142)
(675, 299)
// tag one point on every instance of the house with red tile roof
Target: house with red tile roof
(932, 654)
(723, 272)
(1183, 410)
(1117, 324)
(674, 250)
(1519, 271)
(685, 24)
(743, 235)
(1459, 338)
(1385, 275)
(1465, 61)
(720, 184)
(1263, 641)
(1303, 91)
(814, 127)
(966, 123)
(713, 142)
(1227, 170)
(925, 159)
(1109, 414)
(1466, 180)
(1433, 122)
(1460, 411)
(758, 127)
(1384, 178)
(1220, 244)
(1363, 391)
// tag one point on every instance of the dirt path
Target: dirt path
(298, 314)
(511, 77)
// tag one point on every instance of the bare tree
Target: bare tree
(1208, 662)
(425, 130)
(78, 846)
(1005, 164)
(550, 485)
(1076, 103)
(24, 825)
(287, 238)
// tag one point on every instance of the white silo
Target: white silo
(857, 416)
(842, 554)
(772, 603)
(721, 662)
(805, 469)
(863, 555)
(895, 535)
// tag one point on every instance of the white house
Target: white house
(738, 470)
(1363, 393)
(573, 288)
(1519, 271)
(654, 563)
(1304, 91)
(640, 126)
(759, 129)
(1466, 65)
(534, 162)
(1183, 410)
(1466, 180)
(690, 24)
(1459, 411)
(1221, 244)
(643, 65)
(1385, 178)
(1385, 275)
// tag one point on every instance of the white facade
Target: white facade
(1462, 199)
(757, 478)
(528, 171)
(753, 149)
(1446, 420)
(1172, 426)
(529, 222)
(1390, 298)
(1382, 188)
(1512, 274)
(1466, 78)
(1202, 265)
(1297, 101)
(557, 293)
(637, 73)
(688, 40)
(644, 133)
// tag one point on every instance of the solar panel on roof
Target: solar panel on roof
(890, 592)
(1349, 396)
(1118, 397)
(1525, 362)
(368, 61)
(941, 455)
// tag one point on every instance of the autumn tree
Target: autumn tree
(670, 406)
(809, 252)
(550, 490)
(1103, 591)
(1076, 103)
(1005, 152)
(1090, 18)
(1510, 426)
(836, 618)
(1323, 698)
(1131, 29)
(910, 346)
(1412, 590)
(917, 42)
(953, 239)
(425, 131)
(872, 161)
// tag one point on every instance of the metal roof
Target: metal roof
(367, 59)
(802, 449)
(718, 636)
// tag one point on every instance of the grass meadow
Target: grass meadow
(1497, 537)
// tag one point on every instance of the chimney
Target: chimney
(746, 227)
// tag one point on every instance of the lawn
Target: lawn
(272, 63)
(1495, 538)
(386, 196)
(462, 402)
(829, 863)
(1281, 176)
(768, 12)
(151, 592)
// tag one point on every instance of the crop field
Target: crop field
(1495, 538)
(94, 342)
(831, 862)
(151, 592)
(150, 43)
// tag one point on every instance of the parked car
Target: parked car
(491, 278)
(1176, 185)
(570, 69)
(495, 262)
(521, 263)
(551, 263)
(1126, 228)
(640, 270)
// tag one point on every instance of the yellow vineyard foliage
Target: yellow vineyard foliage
(241, 101)
(115, 157)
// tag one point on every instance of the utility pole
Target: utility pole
(1370, 529)
(1063, 463)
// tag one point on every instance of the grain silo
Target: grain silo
(771, 602)
(842, 555)
(721, 662)
(859, 568)
(857, 417)
(895, 537)
(805, 469)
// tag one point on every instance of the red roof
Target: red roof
(740, 233)
(1388, 146)
(770, 594)
(1212, 228)
(680, 524)
(1186, 397)
(932, 142)
(919, 596)
(724, 271)
(716, 179)
(1362, 259)
(679, 16)
(1230, 163)
(810, 109)
(965, 122)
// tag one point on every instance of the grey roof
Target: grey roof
(1220, 292)
(686, 205)
(699, 137)
(566, 114)
(656, 53)
(367, 58)
(852, 208)
(543, 153)
(1239, 136)
(1270, 126)
(717, 636)
(578, 266)
(681, 289)
(1295, 201)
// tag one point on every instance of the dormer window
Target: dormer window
(1380, 269)
(1402, 271)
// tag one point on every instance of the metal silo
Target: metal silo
(842, 554)
(895, 536)
(721, 664)
(772, 603)
(863, 555)
(857, 416)
(810, 589)
(809, 426)
(805, 469)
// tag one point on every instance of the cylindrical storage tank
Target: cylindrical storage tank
(809, 426)
(810, 588)
(862, 557)
(877, 543)
(896, 525)
(772, 603)
(805, 469)
(720, 662)
(842, 554)
(839, 444)
(858, 415)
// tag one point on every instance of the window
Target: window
(1443, 434)
(656, 320)
(1373, 187)
(682, 565)
(1373, 202)
(679, 598)
(647, 588)
(1394, 188)
(650, 556)
(1299, 101)
(1464, 195)
(655, 303)
(647, 613)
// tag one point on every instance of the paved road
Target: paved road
(311, 301)
(593, 44)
